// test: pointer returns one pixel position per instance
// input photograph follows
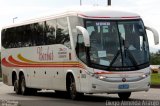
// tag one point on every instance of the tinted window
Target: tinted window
(36, 34)
(62, 32)
(27, 37)
(17, 36)
(4, 38)
(11, 37)
(50, 29)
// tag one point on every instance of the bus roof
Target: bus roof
(105, 12)
(87, 12)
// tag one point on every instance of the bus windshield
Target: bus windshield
(120, 44)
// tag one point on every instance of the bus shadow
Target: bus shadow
(85, 98)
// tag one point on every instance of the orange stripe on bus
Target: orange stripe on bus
(29, 63)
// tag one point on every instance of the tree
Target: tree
(155, 58)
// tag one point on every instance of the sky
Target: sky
(27, 9)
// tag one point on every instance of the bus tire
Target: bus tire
(24, 89)
(124, 95)
(73, 94)
(17, 87)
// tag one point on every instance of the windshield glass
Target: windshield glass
(118, 43)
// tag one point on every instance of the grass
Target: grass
(155, 79)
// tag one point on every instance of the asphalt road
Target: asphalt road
(49, 98)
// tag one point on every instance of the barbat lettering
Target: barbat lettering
(45, 55)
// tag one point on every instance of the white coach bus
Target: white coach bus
(97, 50)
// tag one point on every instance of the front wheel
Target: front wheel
(73, 94)
(72, 88)
(124, 95)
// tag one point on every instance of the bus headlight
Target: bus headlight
(145, 75)
(102, 77)
(99, 76)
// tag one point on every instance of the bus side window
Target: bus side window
(27, 39)
(62, 32)
(50, 32)
(38, 33)
(4, 38)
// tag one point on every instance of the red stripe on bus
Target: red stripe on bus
(14, 63)
(93, 16)
(5, 63)
(12, 60)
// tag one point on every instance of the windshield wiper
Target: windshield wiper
(132, 59)
(130, 56)
(115, 58)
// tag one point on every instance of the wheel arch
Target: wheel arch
(20, 74)
(69, 73)
(14, 77)
(26, 75)
(77, 81)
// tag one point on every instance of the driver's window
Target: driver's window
(80, 48)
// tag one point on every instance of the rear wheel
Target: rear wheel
(24, 89)
(17, 87)
(124, 95)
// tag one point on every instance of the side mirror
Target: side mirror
(85, 35)
(155, 34)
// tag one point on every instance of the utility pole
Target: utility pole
(80, 2)
(109, 3)
(14, 19)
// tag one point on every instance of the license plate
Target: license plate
(123, 86)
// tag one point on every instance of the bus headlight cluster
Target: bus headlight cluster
(99, 76)
(145, 75)
(102, 77)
